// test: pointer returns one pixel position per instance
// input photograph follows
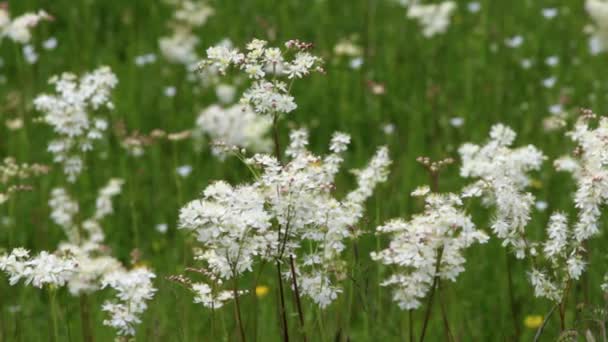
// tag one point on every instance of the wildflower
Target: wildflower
(549, 82)
(502, 174)
(549, 13)
(429, 245)
(43, 269)
(514, 41)
(50, 44)
(473, 6)
(598, 11)
(236, 125)
(69, 113)
(261, 291)
(456, 121)
(434, 18)
(533, 321)
(134, 288)
(18, 29)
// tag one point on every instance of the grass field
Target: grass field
(468, 72)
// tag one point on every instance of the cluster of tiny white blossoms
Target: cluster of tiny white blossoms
(134, 289)
(18, 29)
(434, 18)
(564, 248)
(286, 206)
(180, 46)
(235, 126)
(430, 245)
(598, 11)
(86, 238)
(265, 66)
(69, 112)
(12, 174)
(503, 176)
(40, 270)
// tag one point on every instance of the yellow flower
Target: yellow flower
(261, 291)
(533, 321)
(536, 183)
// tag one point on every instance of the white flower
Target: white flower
(503, 176)
(134, 288)
(549, 13)
(514, 41)
(18, 29)
(443, 231)
(236, 125)
(43, 269)
(69, 113)
(598, 11)
(434, 18)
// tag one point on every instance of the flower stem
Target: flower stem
(427, 315)
(237, 309)
(85, 319)
(282, 311)
(54, 313)
(294, 280)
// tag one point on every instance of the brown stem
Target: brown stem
(297, 295)
(427, 315)
(542, 327)
(85, 319)
(444, 316)
(237, 309)
(282, 311)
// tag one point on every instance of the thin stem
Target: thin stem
(237, 308)
(542, 327)
(512, 296)
(54, 313)
(411, 323)
(85, 319)
(562, 306)
(427, 315)
(282, 311)
(275, 136)
(297, 295)
(444, 316)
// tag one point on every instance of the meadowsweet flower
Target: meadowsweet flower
(50, 44)
(43, 269)
(286, 205)
(549, 13)
(69, 113)
(434, 18)
(598, 11)
(134, 289)
(503, 175)
(18, 29)
(263, 65)
(13, 174)
(514, 41)
(236, 125)
(442, 232)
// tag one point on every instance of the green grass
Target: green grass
(427, 81)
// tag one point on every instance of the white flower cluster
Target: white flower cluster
(204, 294)
(287, 205)
(564, 248)
(598, 11)
(43, 269)
(430, 245)
(180, 46)
(18, 29)
(503, 176)
(69, 113)
(235, 126)
(434, 18)
(134, 288)
(264, 65)
(85, 238)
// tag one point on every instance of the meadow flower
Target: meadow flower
(13, 174)
(503, 176)
(134, 289)
(43, 269)
(286, 205)
(434, 18)
(18, 29)
(514, 42)
(236, 125)
(598, 11)
(70, 113)
(430, 245)
(549, 12)
(533, 321)
(265, 66)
